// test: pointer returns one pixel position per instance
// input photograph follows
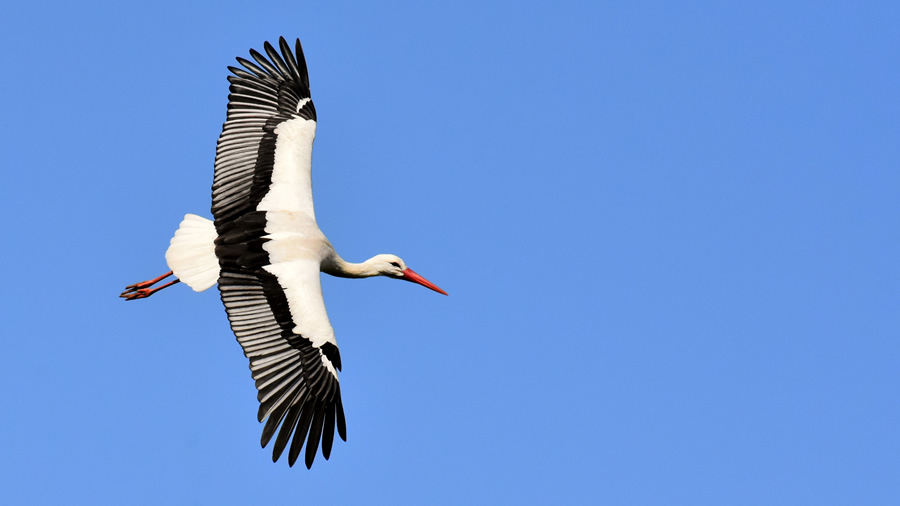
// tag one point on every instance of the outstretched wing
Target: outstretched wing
(267, 136)
(263, 163)
(297, 381)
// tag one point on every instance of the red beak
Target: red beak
(410, 275)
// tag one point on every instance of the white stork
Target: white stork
(265, 250)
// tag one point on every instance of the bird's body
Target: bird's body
(265, 251)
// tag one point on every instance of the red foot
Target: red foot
(142, 290)
(140, 293)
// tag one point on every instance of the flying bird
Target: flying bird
(265, 251)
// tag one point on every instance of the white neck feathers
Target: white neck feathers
(337, 266)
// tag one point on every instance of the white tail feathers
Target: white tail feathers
(192, 253)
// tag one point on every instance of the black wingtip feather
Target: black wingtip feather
(238, 73)
(300, 433)
(339, 411)
(277, 61)
(252, 67)
(328, 431)
(284, 434)
(301, 62)
(272, 424)
(264, 63)
(315, 433)
(289, 58)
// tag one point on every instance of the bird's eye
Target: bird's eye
(395, 264)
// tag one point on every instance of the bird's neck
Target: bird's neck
(337, 266)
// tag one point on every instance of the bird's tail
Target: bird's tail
(192, 253)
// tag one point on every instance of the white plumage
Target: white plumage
(192, 255)
(266, 252)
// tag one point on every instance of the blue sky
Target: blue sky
(669, 234)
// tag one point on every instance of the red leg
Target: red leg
(142, 290)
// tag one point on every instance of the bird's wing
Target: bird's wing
(264, 155)
(275, 306)
(295, 373)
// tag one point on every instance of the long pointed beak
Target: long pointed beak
(410, 275)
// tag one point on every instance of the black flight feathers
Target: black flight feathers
(282, 76)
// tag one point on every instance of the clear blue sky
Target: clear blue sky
(670, 234)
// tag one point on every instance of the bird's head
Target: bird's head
(393, 266)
